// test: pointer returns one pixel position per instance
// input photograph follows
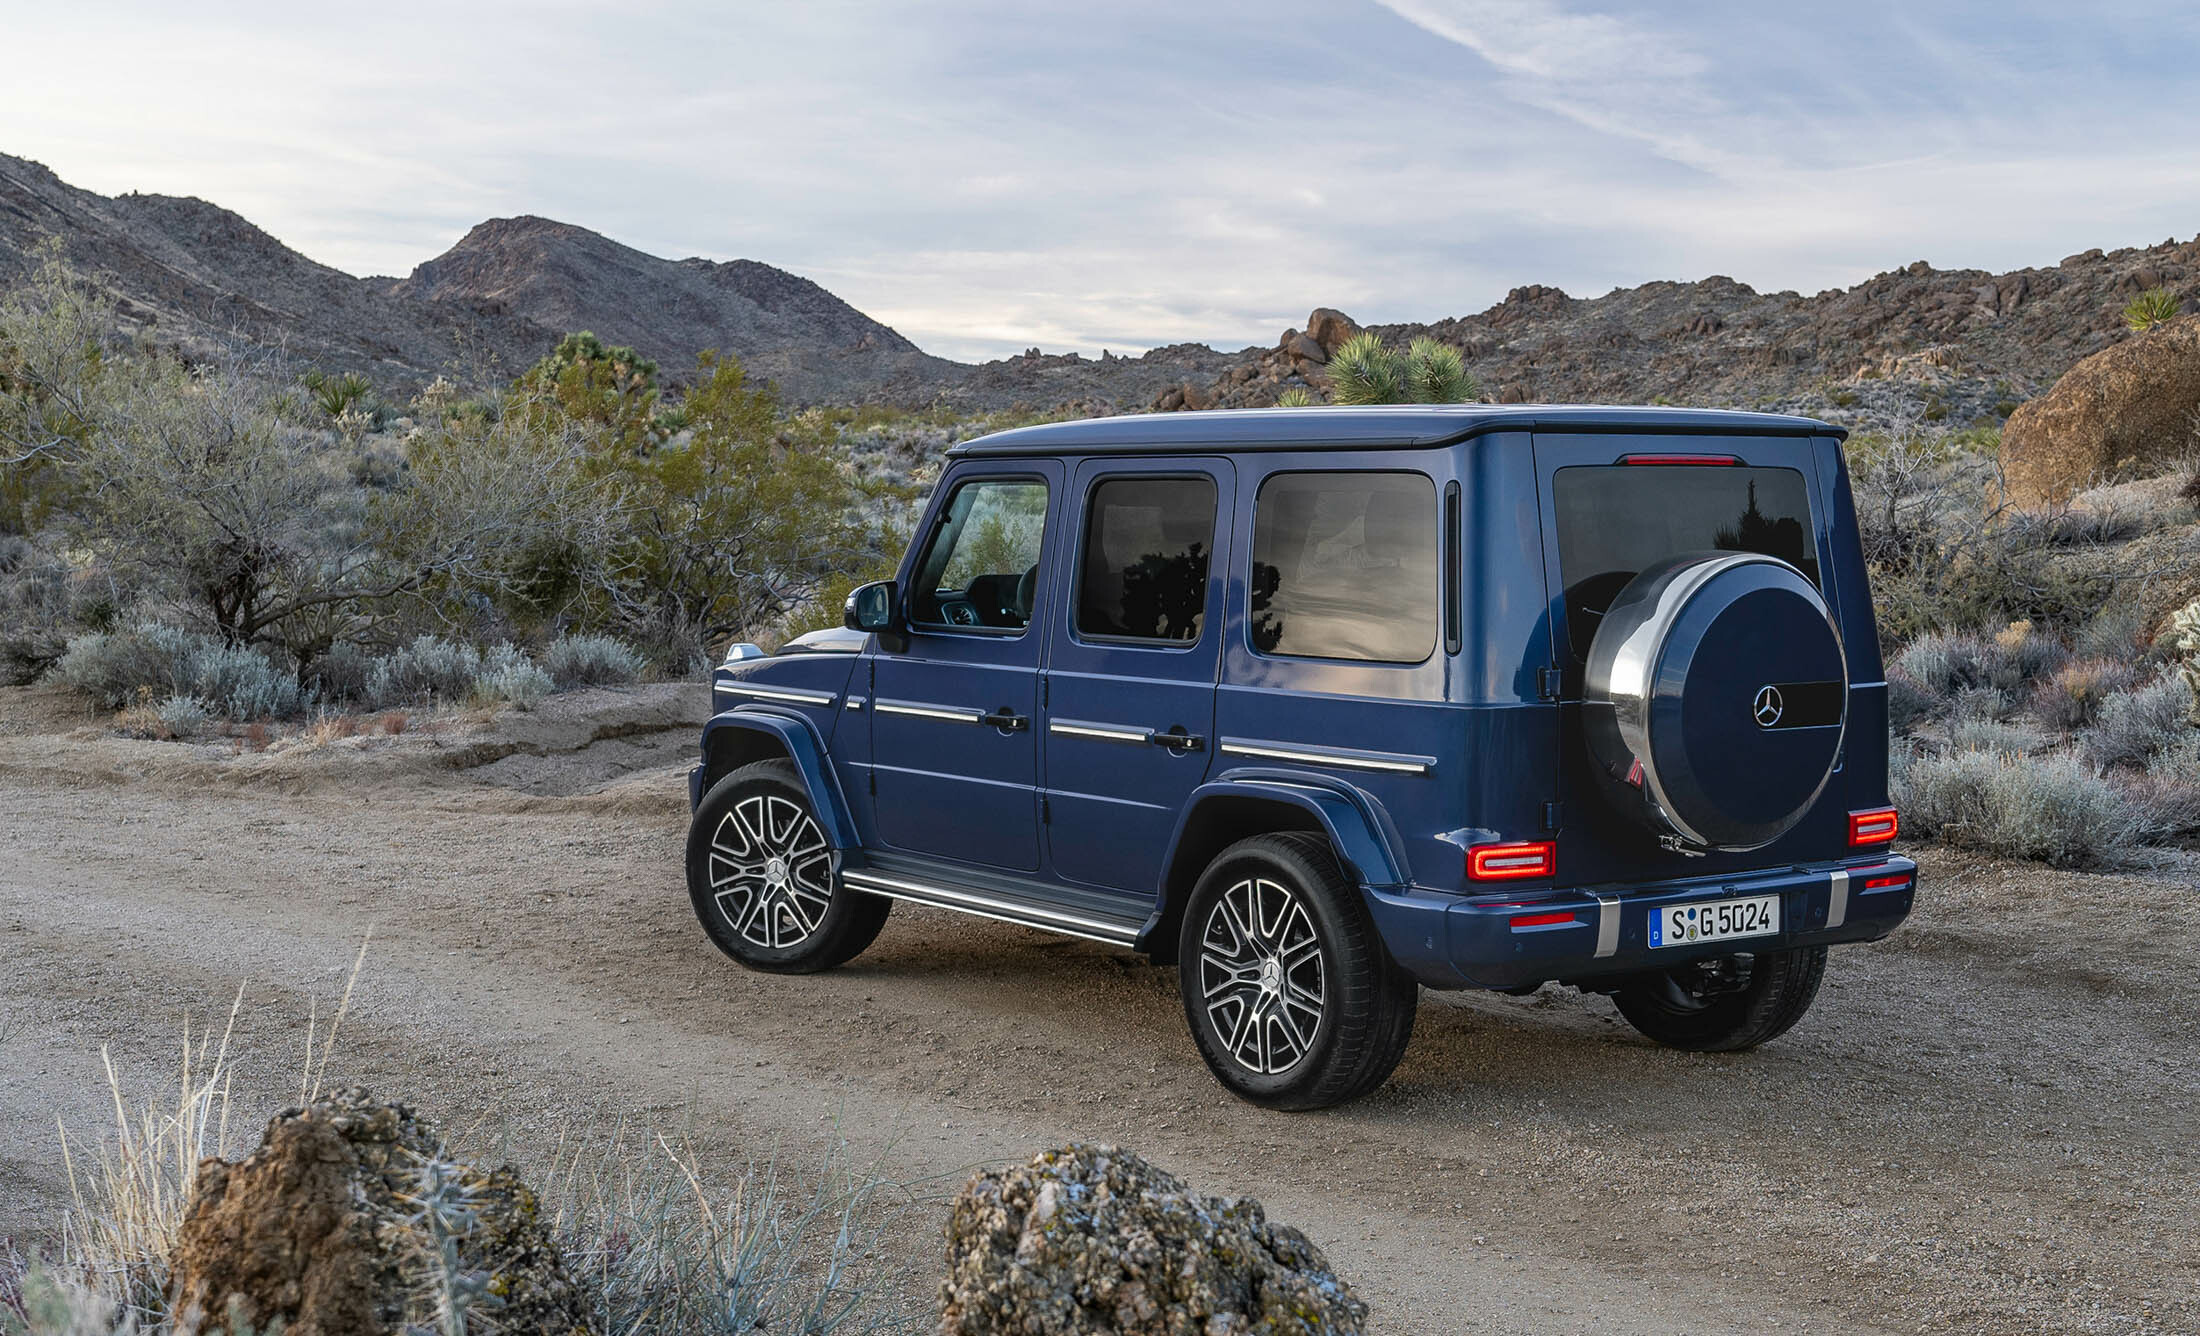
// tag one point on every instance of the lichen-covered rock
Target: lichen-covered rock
(325, 1228)
(2128, 408)
(1092, 1239)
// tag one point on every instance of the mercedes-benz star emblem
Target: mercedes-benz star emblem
(1768, 707)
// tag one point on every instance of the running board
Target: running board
(926, 890)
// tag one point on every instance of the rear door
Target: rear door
(1130, 684)
(953, 742)
(1614, 504)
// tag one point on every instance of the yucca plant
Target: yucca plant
(1298, 396)
(2155, 306)
(1363, 371)
(336, 395)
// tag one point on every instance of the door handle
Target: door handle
(1177, 740)
(1005, 718)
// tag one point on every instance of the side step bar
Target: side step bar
(926, 891)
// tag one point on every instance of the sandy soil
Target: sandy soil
(1986, 1124)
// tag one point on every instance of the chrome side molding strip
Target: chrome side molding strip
(985, 906)
(1837, 906)
(789, 695)
(1084, 728)
(917, 709)
(1348, 758)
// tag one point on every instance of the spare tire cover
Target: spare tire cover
(1715, 699)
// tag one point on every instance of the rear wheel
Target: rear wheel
(1732, 1002)
(1292, 998)
(765, 882)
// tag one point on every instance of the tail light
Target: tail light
(1512, 862)
(1715, 461)
(1878, 826)
(1887, 883)
(1550, 920)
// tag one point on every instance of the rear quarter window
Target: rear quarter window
(1615, 520)
(1345, 566)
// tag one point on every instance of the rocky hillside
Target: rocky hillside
(1950, 345)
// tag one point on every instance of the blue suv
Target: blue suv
(1324, 705)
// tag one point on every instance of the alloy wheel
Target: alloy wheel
(1261, 976)
(771, 871)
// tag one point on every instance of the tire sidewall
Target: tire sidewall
(751, 781)
(1304, 882)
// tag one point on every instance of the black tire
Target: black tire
(1732, 1002)
(790, 914)
(1250, 1019)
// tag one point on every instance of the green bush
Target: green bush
(509, 677)
(1364, 371)
(2136, 726)
(234, 681)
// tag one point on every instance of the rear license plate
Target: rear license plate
(1715, 921)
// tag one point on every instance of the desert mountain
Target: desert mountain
(1954, 346)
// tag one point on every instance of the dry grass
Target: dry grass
(392, 722)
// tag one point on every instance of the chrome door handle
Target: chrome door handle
(1179, 741)
(1005, 718)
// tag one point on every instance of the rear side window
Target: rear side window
(1615, 520)
(1144, 572)
(1345, 567)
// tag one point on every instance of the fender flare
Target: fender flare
(798, 737)
(1357, 828)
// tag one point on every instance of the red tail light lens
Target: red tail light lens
(1715, 461)
(1877, 826)
(1886, 883)
(1511, 862)
(1542, 920)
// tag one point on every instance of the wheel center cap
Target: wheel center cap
(1271, 976)
(775, 871)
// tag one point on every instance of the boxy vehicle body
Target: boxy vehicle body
(1324, 704)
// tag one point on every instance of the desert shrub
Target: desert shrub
(1989, 734)
(2155, 306)
(1948, 664)
(1909, 703)
(1364, 371)
(429, 669)
(1298, 396)
(508, 677)
(238, 682)
(2052, 808)
(2136, 726)
(592, 661)
(2111, 633)
(1978, 705)
(116, 668)
(183, 716)
(341, 674)
(2071, 697)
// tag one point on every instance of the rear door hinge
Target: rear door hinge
(1548, 683)
(1046, 813)
(1554, 816)
(871, 781)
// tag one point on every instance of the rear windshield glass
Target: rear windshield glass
(1614, 520)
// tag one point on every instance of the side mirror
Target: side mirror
(876, 607)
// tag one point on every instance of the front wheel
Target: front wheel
(1293, 1000)
(764, 880)
(1731, 1002)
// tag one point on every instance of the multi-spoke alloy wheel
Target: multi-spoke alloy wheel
(1260, 975)
(762, 876)
(771, 870)
(1292, 998)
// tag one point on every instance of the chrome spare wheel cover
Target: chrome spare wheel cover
(771, 871)
(1260, 975)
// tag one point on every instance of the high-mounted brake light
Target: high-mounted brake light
(1511, 862)
(1716, 461)
(1877, 826)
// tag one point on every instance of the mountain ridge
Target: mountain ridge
(1911, 343)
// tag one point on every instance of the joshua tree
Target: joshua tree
(1363, 371)
(2155, 306)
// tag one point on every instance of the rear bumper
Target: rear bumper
(1451, 941)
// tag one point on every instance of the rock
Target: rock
(1329, 328)
(1198, 397)
(2126, 408)
(315, 1230)
(1092, 1239)
(1303, 347)
(1169, 400)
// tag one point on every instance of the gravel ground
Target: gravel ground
(1985, 1124)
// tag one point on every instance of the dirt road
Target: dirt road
(1988, 1122)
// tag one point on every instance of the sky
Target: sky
(992, 175)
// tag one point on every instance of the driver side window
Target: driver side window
(981, 569)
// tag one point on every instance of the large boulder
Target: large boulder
(326, 1230)
(2124, 410)
(1329, 328)
(1092, 1239)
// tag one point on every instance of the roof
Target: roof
(1378, 428)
